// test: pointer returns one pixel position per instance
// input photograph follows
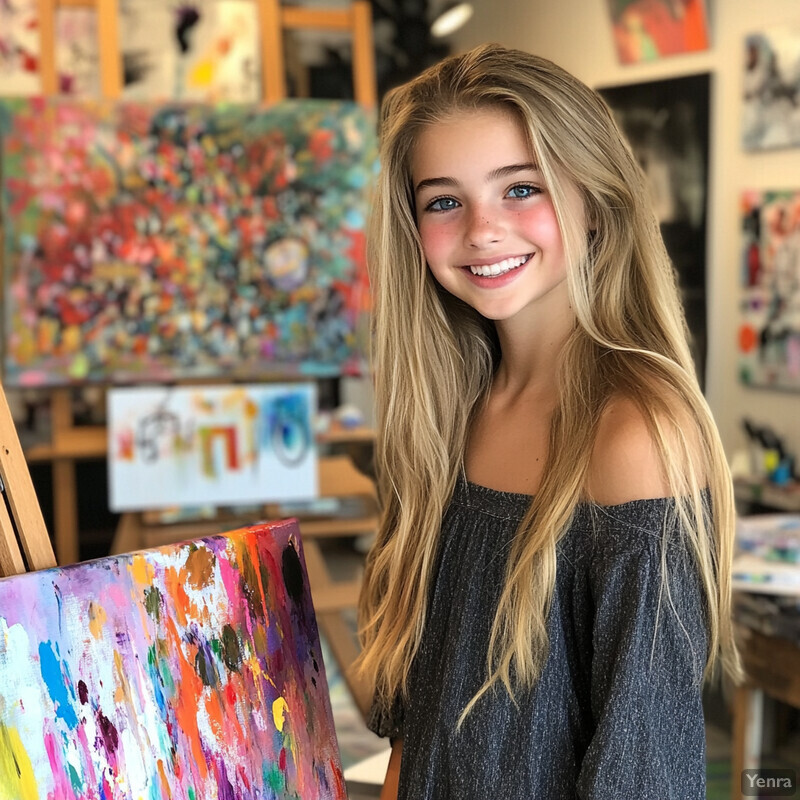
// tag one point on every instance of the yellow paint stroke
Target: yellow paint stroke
(142, 571)
(97, 618)
(202, 76)
(279, 709)
(122, 692)
(17, 781)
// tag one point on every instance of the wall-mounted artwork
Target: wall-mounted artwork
(211, 445)
(207, 50)
(76, 50)
(769, 330)
(645, 30)
(192, 671)
(666, 123)
(771, 103)
(171, 242)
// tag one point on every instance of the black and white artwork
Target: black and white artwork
(666, 123)
(771, 89)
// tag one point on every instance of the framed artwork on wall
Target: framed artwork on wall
(667, 125)
(171, 242)
(771, 89)
(646, 30)
(769, 328)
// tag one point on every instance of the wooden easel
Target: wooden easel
(70, 443)
(24, 542)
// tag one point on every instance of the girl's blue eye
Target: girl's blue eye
(522, 191)
(442, 204)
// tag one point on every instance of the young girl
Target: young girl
(550, 582)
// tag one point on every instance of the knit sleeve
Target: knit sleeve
(649, 647)
(386, 721)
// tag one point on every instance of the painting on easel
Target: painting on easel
(203, 51)
(769, 328)
(191, 671)
(174, 242)
(76, 50)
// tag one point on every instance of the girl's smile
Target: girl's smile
(484, 215)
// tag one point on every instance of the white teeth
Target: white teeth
(500, 268)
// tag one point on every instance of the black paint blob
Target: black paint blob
(188, 17)
(231, 652)
(293, 573)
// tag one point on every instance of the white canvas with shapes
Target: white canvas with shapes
(200, 446)
(205, 51)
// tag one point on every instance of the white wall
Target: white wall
(577, 35)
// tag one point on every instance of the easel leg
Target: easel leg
(747, 720)
(65, 512)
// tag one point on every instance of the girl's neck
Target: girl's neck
(530, 350)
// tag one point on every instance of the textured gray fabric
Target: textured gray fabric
(617, 712)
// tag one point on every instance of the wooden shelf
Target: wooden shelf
(751, 490)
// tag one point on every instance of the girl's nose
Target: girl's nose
(483, 228)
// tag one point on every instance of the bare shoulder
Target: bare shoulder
(625, 463)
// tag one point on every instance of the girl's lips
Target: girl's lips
(495, 282)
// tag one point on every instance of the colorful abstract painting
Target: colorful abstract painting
(769, 330)
(76, 50)
(187, 672)
(174, 242)
(206, 50)
(645, 30)
(219, 446)
(771, 102)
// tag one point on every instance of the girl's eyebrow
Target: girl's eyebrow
(500, 172)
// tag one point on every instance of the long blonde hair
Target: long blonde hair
(434, 358)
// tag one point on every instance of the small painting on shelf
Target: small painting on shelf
(211, 446)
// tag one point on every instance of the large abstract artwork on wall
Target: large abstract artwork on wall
(667, 125)
(190, 671)
(217, 445)
(769, 330)
(645, 30)
(183, 241)
(771, 102)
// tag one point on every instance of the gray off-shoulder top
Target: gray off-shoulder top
(617, 712)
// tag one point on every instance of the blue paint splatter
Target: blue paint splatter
(56, 686)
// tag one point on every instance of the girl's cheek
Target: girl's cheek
(436, 235)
